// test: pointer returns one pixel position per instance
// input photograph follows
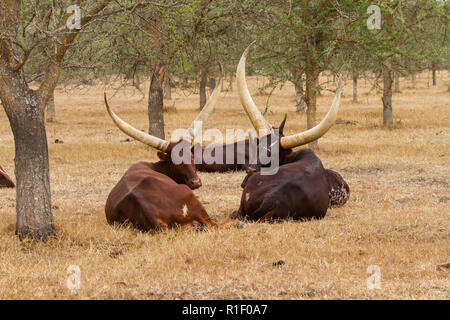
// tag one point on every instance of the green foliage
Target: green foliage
(193, 35)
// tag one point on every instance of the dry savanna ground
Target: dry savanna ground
(397, 218)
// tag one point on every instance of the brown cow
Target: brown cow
(5, 180)
(240, 152)
(301, 188)
(339, 190)
(149, 198)
(156, 196)
(207, 165)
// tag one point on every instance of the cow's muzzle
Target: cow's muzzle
(194, 183)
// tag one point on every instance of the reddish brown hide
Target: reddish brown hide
(149, 199)
(5, 180)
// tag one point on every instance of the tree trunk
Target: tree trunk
(203, 80)
(212, 83)
(25, 112)
(355, 86)
(413, 77)
(299, 99)
(25, 109)
(156, 104)
(387, 92)
(433, 70)
(167, 88)
(230, 85)
(387, 78)
(33, 199)
(397, 82)
(51, 108)
(312, 80)
(222, 86)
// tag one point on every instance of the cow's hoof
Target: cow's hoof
(241, 225)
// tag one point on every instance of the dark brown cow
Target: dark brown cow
(156, 196)
(339, 190)
(207, 165)
(299, 190)
(240, 155)
(5, 180)
(302, 188)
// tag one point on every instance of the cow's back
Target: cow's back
(232, 157)
(148, 199)
(299, 190)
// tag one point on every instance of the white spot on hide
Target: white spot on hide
(185, 210)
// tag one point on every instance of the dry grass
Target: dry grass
(397, 217)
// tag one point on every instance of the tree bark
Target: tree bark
(203, 80)
(51, 108)
(396, 82)
(26, 117)
(433, 70)
(387, 78)
(167, 88)
(212, 83)
(299, 99)
(355, 86)
(156, 104)
(413, 77)
(312, 80)
(230, 85)
(387, 92)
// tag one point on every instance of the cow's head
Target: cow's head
(178, 155)
(181, 171)
(5, 180)
(265, 129)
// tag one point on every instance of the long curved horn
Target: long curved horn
(315, 133)
(143, 137)
(261, 126)
(207, 109)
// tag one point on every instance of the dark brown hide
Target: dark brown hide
(207, 166)
(301, 189)
(237, 154)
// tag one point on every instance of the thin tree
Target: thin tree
(25, 109)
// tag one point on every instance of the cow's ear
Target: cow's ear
(163, 156)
